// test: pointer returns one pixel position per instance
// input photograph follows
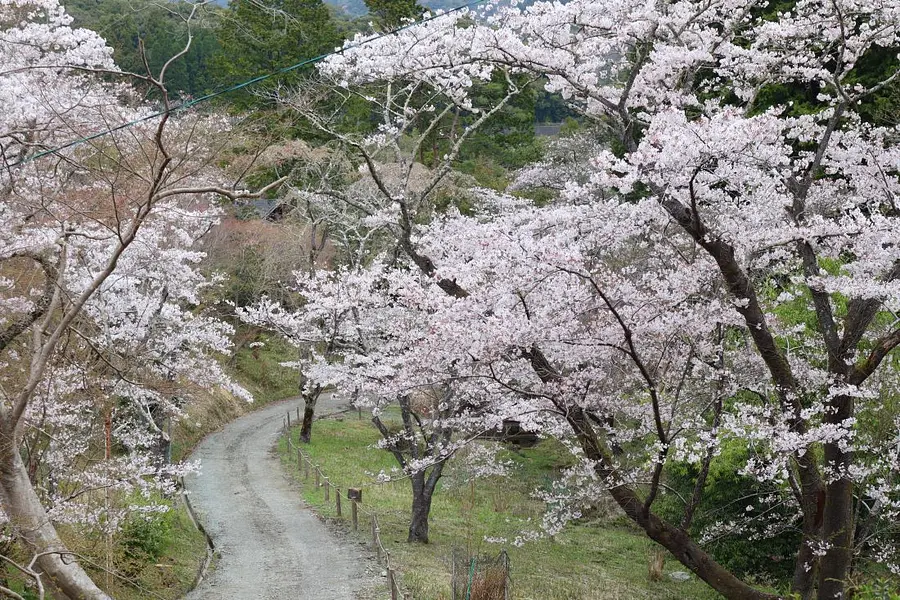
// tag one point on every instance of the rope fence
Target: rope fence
(307, 467)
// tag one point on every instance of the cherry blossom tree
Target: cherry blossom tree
(726, 271)
(350, 319)
(368, 191)
(99, 282)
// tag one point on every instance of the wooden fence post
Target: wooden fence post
(337, 500)
(317, 477)
(375, 538)
(505, 560)
(289, 419)
(326, 490)
(354, 495)
(392, 584)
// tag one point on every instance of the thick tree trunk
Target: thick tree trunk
(309, 414)
(33, 527)
(806, 565)
(421, 508)
(834, 567)
(837, 521)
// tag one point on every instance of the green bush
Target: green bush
(145, 537)
(751, 552)
(486, 172)
(878, 590)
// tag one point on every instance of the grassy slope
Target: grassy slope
(604, 559)
(169, 574)
(154, 559)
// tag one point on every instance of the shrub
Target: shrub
(758, 549)
(145, 537)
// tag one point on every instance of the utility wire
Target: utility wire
(195, 101)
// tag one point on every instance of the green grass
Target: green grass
(259, 369)
(605, 558)
(170, 573)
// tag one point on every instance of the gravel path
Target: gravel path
(271, 546)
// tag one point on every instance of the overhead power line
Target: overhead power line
(195, 101)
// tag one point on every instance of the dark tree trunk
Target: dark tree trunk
(834, 567)
(309, 414)
(421, 508)
(162, 445)
(837, 522)
(423, 481)
(807, 563)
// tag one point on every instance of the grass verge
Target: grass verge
(593, 559)
(156, 556)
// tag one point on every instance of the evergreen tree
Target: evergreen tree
(257, 38)
(390, 14)
(163, 31)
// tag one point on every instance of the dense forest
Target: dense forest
(683, 295)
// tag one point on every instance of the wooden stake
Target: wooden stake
(337, 501)
(392, 584)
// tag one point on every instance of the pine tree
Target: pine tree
(390, 14)
(258, 38)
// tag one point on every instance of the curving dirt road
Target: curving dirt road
(271, 547)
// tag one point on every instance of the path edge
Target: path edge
(210, 545)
